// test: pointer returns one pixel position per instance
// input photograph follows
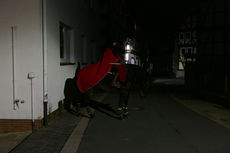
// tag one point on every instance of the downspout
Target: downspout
(15, 99)
(31, 76)
(44, 60)
(15, 102)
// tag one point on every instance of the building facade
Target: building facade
(41, 42)
(207, 68)
(213, 46)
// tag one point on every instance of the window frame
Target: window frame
(66, 44)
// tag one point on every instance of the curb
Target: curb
(212, 111)
(72, 144)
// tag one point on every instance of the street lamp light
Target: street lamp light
(128, 48)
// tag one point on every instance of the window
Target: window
(188, 37)
(190, 51)
(66, 44)
(181, 38)
(182, 53)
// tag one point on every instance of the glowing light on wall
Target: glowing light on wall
(126, 56)
(128, 48)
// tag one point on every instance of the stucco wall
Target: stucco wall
(24, 16)
(78, 15)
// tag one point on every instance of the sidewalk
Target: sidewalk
(213, 111)
(50, 139)
(63, 134)
(212, 106)
(9, 140)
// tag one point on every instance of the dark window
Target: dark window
(66, 44)
(61, 30)
(181, 37)
(188, 35)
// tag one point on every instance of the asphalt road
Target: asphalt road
(156, 124)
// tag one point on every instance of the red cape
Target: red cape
(122, 72)
(90, 75)
(121, 69)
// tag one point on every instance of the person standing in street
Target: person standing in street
(124, 84)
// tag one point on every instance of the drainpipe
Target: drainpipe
(44, 60)
(15, 100)
(13, 65)
(31, 76)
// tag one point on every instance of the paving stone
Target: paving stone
(49, 139)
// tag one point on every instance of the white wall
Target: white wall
(25, 17)
(77, 15)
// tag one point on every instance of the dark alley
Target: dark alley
(115, 76)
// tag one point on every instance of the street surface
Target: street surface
(156, 124)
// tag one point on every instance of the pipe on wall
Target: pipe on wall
(32, 103)
(15, 100)
(31, 76)
(44, 59)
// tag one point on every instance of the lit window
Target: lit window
(181, 66)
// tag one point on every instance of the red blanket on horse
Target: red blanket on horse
(90, 75)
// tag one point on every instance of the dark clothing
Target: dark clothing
(131, 71)
(125, 87)
(141, 78)
(124, 94)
